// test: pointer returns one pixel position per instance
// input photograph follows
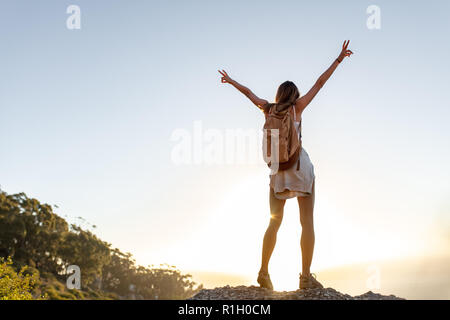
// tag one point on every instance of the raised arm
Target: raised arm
(303, 101)
(246, 91)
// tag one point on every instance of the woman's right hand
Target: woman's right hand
(225, 77)
(345, 53)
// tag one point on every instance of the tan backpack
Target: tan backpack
(279, 130)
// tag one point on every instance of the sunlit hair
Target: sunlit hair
(287, 94)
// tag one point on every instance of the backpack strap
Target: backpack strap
(299, 135)
(299, 139)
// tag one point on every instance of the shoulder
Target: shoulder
(299, 106)
(266, 107)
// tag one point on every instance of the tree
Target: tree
(38, 239)
(84, 249)
(165, 282)
(30, 232)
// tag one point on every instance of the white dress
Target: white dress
(292, 183)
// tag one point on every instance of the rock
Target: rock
(257, 293)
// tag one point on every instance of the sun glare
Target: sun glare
(235, 228)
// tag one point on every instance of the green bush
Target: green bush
(16, 285)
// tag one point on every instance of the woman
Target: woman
(293, 182)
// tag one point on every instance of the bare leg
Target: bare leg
(306, 206)
(270, 237)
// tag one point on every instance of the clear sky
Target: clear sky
(87, 119)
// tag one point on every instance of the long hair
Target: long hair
(287, 94)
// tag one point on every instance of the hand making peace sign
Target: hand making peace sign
(345, 53)
(226, 78)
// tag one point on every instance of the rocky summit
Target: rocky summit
(258, 293)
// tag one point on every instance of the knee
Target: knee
(275, 222)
